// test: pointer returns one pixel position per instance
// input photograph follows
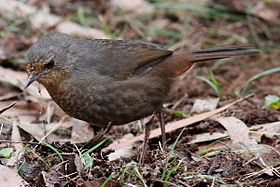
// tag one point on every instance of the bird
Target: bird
(110, 81)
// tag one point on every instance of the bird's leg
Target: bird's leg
(146, 139)
(162, 128)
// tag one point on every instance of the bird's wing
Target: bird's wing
(121, 59)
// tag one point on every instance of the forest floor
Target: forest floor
(222, 117)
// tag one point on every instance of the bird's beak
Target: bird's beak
(31, 78)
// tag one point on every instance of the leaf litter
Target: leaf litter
(205, 152)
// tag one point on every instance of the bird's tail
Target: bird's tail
(222, 52)
(180, 61)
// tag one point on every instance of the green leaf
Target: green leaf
(6, 152)
(54, 150)
(166, 175)
(180, 113)
(213, 82)
(95, 147)
(87, 160)
(272, 102)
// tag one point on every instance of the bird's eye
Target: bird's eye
(49, 65)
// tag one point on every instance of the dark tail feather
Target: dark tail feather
(222, 52)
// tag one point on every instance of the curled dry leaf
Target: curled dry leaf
(54, 176)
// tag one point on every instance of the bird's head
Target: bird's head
(47, 59)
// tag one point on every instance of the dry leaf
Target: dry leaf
(206, 137)
(10, 177)
(39, 131)
(18, 79)
(204, 105)
(7, 107)
(79, 164)
(269, 11)
(44, 20)
(237, 130)
(75, 29)
(52, 177)
(15, 9)
(82, 132)
(141, 7)
(23, 111)
(40, 19)
(241, 142)
(15, 137)
(121, 153)
(269, 129)
(125, 152)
